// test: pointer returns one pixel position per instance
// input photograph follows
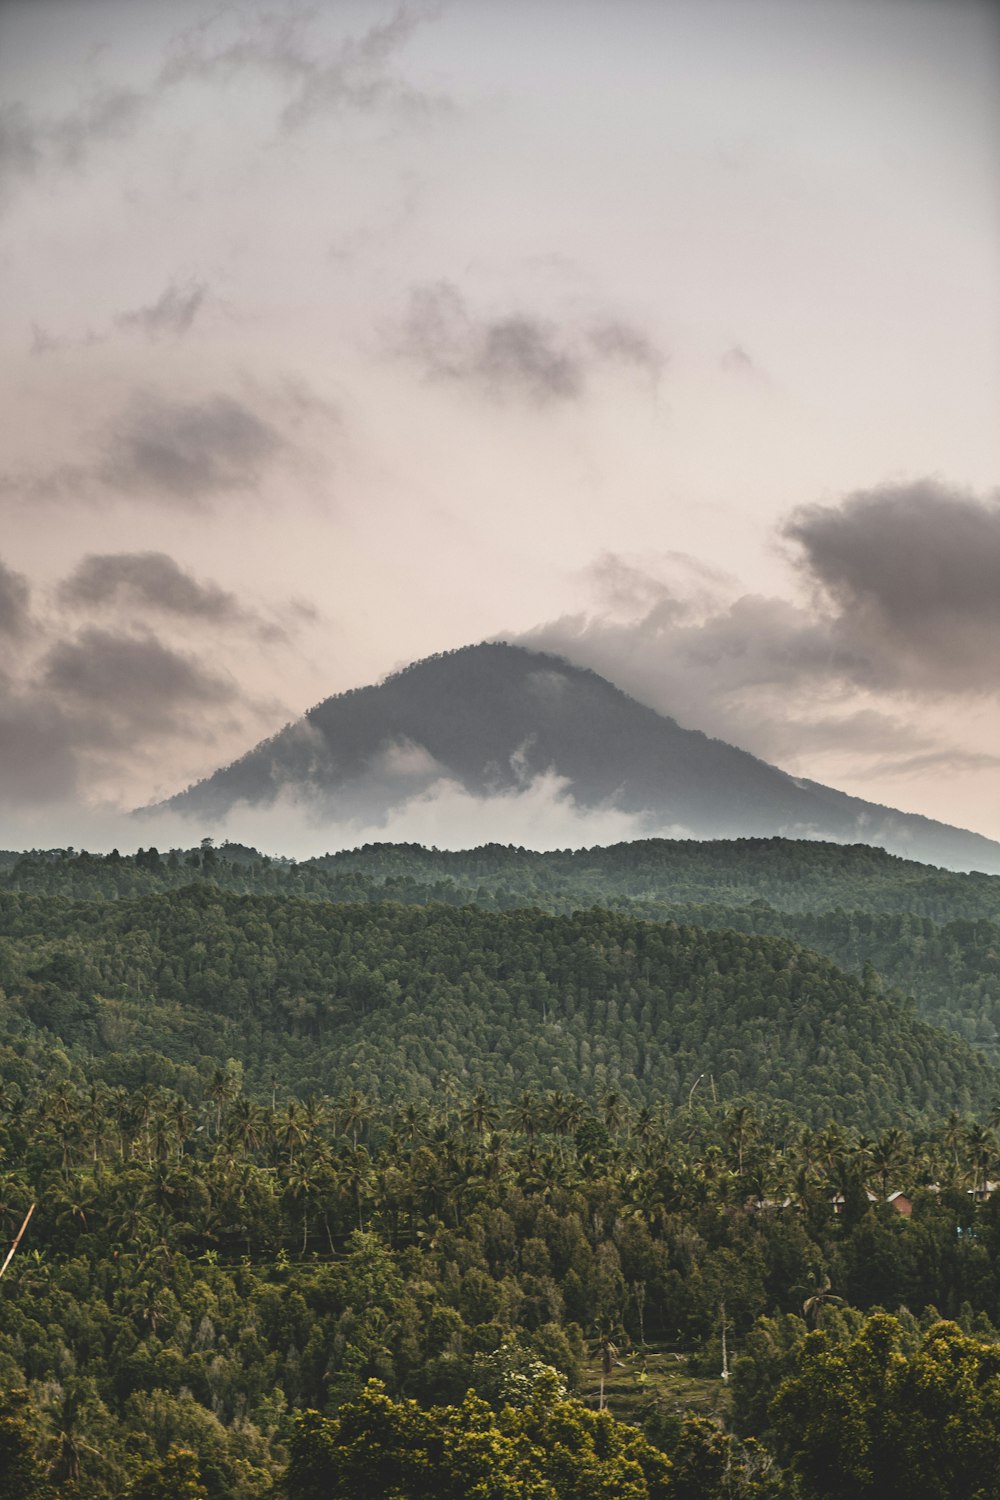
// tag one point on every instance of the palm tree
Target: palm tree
(742, 1127)
(526, 1115)
(411, 1123)
(821, 1297)
(981, 1153)
(354, 1115)
(354, 1173)
(301, 1181)
(247, 1125)
(67, 1408)
(953, 1137)
(615, 1111)
(292, 1129)
(481, 1114)
(644, 1125)
(604, 1348)
(888, 1156)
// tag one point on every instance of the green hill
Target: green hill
(401, 1000)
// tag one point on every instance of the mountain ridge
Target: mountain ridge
(492, 718)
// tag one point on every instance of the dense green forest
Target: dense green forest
(403, 1001)
(402, 1174)
(930, 933)
(790, 875)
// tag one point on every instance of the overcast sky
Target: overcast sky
(666, 335)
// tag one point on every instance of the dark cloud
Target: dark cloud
(171, 316)
(188, 451)
(518, 354)
(135, 678)
(104, 702)
(14, 603)
(912, 576)
(696, 659)
(522, 353)
(150, 580)
(184, 454)
(39, 748)
(172, 313)
(905, 601)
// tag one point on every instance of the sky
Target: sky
(662, 335)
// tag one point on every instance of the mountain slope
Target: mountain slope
(492, 717)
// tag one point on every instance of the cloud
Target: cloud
(43, 342)
(737, 669)
(187, 451)
(738, 361)
(114, 707)
(172, 313)
(99, 704)
(911, 577)
(351, 73)
(151, 580)
(521, 353)
(518, 354)
(904, 599)
(136, 678)
(31, 144)
(20, 146)
(949, 761)
(354, 72)
(539, 814)
(14, 603)
(620, 341)
(40, 757)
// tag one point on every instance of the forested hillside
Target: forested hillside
(409, 1174)
(400, 1000)
(929, 933)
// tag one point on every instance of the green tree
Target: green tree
(175, 1477)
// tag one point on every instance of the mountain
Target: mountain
(490, 718)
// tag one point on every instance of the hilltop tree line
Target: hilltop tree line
(931, 934)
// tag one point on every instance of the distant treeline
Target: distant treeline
(929, 933)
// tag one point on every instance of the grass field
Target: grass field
(656, 1378)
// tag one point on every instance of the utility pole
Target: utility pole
(20, 1232)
